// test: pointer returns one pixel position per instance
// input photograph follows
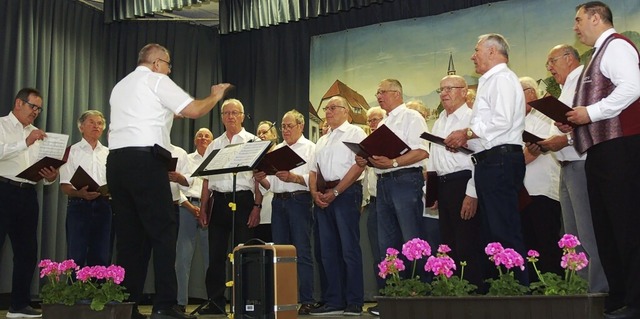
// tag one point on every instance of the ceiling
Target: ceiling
(205, 13)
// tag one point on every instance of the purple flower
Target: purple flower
(574, 261)
(443, 249)
(415, 249)
(568, 241)
(533, 253)
(493, 248)
(441, 265)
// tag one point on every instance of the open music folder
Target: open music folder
(382, 142)
(440, 141)
(51, 154)
(282, 159)
(233, 158)
(553, 108)
(81, 179)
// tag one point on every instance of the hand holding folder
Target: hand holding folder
(553, 108)
(282, 159)
(81, 179)
(382, 142)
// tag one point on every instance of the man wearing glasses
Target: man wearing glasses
(291, 218)
(19, 146)
(399, 203)
(143, 105)
(220, 224)
(338, 212)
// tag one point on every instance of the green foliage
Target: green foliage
(108, 292)
(398, 287)
(69, 292)
(453, 286)
(551, 284)
(506, 285)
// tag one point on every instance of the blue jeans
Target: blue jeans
(89, 231)
(498, 180)
(291, 224)
(372, 230)
(400, 207)
(340, 245)
(188, 233)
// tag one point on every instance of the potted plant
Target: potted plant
(451, 297)
(89, 292)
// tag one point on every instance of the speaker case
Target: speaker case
(265, 281)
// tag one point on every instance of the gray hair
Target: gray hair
(497, 41)
(529, 83)
(83, 117)
(148, 50)
(296, 116)
(232, 101)
(376, 110)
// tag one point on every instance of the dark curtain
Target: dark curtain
(64, 49)
(270, 66)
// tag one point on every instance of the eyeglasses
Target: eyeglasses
(447, 89)
(552, 61)
(380, 92)
(288, 126)
(231, 113)
(33, 106)
(373, 120)
(167, 62)
(332, 108)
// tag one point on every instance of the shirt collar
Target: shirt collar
(14, 120)
(603, 37)
(495, 69)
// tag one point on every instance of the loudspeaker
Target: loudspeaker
(265, 282)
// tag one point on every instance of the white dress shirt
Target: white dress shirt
(182, 167)
(620, 64)
(498, 111)
(142, 108)
(224, 182)
(15, 156)
(195, 182)
(407, 124)
(334, 158)
(441, 160)
(542, 175)
(92, 160)
(569, 152)
(306, 150)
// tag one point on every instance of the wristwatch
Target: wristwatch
(469, 133)
(569, 139)
(335, 192)
(395, 163)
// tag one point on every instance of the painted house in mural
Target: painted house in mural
(358, 107)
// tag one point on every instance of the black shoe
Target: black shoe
(212, 309)
(306, 308)
(327, 310)
(374, 311)
(26, 312)
(171, 313)
(624, 313)
(353, 310)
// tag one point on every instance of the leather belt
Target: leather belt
(500, 149)
(454, 176)
(400, 172)
(565, 163)
(17, 184)
(331, 184)
(148, 149)
(193, 199)
(229, 195)
(287, 195)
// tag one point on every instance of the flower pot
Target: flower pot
(111, 311)
(589, 306)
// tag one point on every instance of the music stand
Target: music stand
(233, 158)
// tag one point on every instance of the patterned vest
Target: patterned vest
(593, 86)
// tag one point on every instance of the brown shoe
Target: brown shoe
(306, 308)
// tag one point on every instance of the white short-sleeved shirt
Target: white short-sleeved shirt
(224, 182)
(306, 150)
(195, 182)
(182, 167)
(142, 108)
(15, 156)
(92, 160)
(569, 153)
(334, 158)
(408, 125)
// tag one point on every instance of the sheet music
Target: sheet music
(237, 155)
(53, 146)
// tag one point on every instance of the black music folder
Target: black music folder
(172, 164)
(32, 172)
(530, 138)
(440, 141)
(553, 108)
(431, 195)
(382, 142)
(282, 159)
(81, 179)
(233, 158)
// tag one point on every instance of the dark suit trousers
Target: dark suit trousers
(19, 220)
(613, 182)
(145, 220)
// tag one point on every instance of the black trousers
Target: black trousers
(464, 237)
(541, 225)
(145, 221)
(220, 228)
(19, 220)
(613, 182)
